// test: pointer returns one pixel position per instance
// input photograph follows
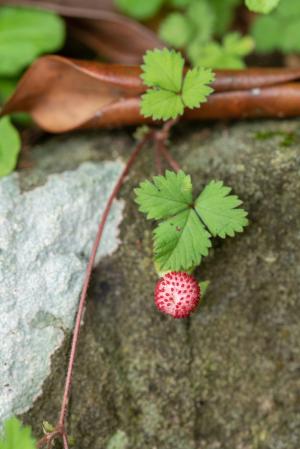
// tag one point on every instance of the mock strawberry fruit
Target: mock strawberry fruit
(177, 294)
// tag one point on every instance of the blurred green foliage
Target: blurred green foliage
(279, 30)
(194, 28)
(16, 436)
(25, 34)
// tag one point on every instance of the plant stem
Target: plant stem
(158, 160)
(165, 153)
(65, 440)
(161, 138)
(60, 428)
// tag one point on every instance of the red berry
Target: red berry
(177, 294)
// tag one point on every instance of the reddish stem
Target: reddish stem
(47, 439)
(65, 440)
(160, 137)
(87, 278)
(60, 428)
(165, 153)
(158, 160)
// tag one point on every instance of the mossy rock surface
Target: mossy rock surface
(228, 377)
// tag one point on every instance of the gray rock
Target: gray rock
(228, 377)
(46, 236)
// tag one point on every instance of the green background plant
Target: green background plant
(15, 436)
(25, 33)
(267, 31)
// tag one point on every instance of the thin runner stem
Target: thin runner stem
(65, 441)
(165, 153)
(158, 161)
(88, 277)
(60, 428)
(161, 150)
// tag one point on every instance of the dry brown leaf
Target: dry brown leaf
(63, 94)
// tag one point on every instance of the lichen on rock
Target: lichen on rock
(45, 239)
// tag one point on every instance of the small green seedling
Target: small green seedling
(186, 225)
(169, 90)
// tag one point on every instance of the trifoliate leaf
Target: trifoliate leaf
(220, 59)
(262, 6)
(267, 33)
(224, 14)
(15, 436)
(180, 242)
(195, 87)
(229, 55)
(202, 15)
(219, 210)
(161, 104)
(25, 34)
(165, 195)
(176, 30)
(163, 69)
(238, 45)
(10, 145)
(139, 9)
(182, 238)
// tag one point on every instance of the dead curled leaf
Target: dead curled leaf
(63, 94)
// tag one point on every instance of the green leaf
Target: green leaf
(267, 30)
(202, 15)
(10, 145)
(238, 45)
(203, 288)
(288, 9)
(139, 9)
(290, 39)
(176, 30)
(229, 55)
(161, 104)
(163, 69)
(262, 6)
(180, 3)
(15, 436)
(24, 35)
(195, 87)
(267, 33)
(182, 239)
(165, 196)
(180, 242)
(224, 14)
(219, 210)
